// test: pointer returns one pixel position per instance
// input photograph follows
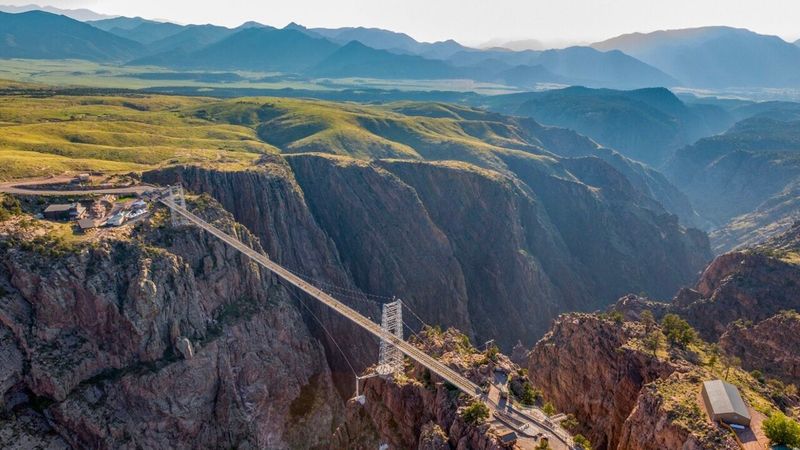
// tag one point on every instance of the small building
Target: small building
(83, 177)
(86, 223)
(724, 403)
(507, 437)
(138, 204)
(64, 211)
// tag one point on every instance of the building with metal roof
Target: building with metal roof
(724, 403)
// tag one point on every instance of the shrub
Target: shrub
(492, 352)
(678, 331)
(549, 409)
(582, 442)
(782, 430)
(475, 414)
(570, 423)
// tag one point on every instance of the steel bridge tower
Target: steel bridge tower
(390, 357)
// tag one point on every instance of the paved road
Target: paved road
(18, 188)
(527, 423)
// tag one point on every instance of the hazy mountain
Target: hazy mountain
(77, 14)
(137, 29)
(715, 57)
(389, 40)
(356, 59)
(41, 35)
(265, 49)
(517, 45)
(645, 124)
(753, 167)
(372, 37)
(191, 38)
(575, 65)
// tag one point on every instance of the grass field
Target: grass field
(44, 136)
(43, 133)
(96, 75)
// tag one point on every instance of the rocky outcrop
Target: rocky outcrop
(752, 285)
(587, 368)
(160, 338)
(415, 410)
(657, 422)
(770, 346)
(623, 396)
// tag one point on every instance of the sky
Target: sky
(472, 22)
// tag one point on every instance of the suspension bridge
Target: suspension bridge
(390, 336)
(390, 331)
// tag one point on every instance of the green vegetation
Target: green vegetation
(782, 430)
(652, 341)
(582, 442)
(9, 206)
(677, 331)
(51, 135)
(549, 409)
(476, 413)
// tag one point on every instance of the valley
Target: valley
(324, 236)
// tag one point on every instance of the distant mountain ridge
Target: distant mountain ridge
(715, 57)
(41, 35)
(81, 14)
(645, 124)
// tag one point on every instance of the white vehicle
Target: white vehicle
(136, 213)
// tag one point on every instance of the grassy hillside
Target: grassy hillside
(136, 132)
(42, 136)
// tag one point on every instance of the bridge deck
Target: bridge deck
(453, 377)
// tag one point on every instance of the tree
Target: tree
(652, 341)
(782, 430)
(729, 362)
(476, 413)
(543, 445)
(582, 442)
(549, 409)
(648, 320)
(678, 331)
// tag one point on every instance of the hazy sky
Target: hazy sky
(472, 21)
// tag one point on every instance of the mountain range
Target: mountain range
(712, 57)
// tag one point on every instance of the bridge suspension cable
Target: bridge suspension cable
(435, 366)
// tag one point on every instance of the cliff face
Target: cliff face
(160, 338)
(622, 396)
(415, 410)
(770, 346)
(584, 367)
(494, 254)
(752, 284)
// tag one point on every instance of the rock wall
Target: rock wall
(623, 397)
(164, 338)
(497, 255)
(771, 346)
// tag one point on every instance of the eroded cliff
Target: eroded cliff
(154, 337)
